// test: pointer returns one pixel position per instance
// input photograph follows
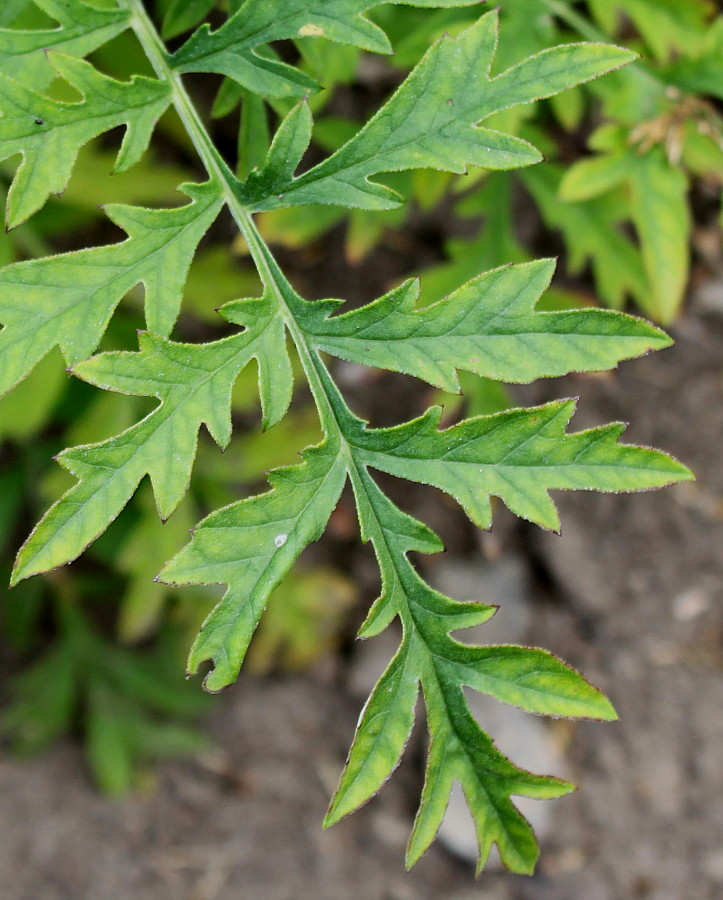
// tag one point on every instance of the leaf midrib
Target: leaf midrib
(410, 622)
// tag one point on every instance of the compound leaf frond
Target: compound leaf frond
(490, 326)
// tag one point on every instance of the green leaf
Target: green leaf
(394, 533)
(284, 155)
(231, 49)
(250, 546)
(662, 219)
(488, 326)
(381, 736)
(531, 679)
(517, 455)
(109, 755)
(657, 206)
(667, 26)
(276, 380)
(591, 233)
(704, 73)
(253, 139)
(111, 691)
(432, 120)
(461, 751)
(43, 700)
(67, 300)
(592, 177)
(10, 11)
(49, 133)
(459, 748)
(193, 384)
(81, 29)
(182, 15)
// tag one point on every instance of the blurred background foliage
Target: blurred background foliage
(628, 197)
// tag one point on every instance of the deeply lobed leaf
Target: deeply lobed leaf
(432, 121)
(488, 326)
(68, 300)
(193, 384)
(231, 50)
(459, 749)
(49, 133)
(251, 546)
(518, 456)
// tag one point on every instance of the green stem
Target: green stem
(219, 171)
(331, 405)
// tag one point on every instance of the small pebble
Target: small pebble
(690, 604)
